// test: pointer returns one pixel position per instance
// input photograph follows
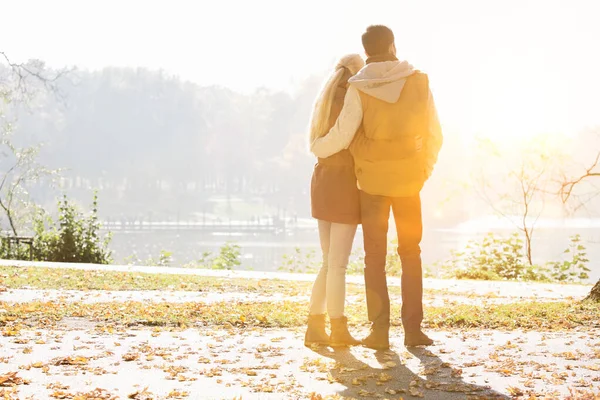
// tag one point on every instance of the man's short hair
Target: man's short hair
(377, 40)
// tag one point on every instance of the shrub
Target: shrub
(493, 258)
(75, 237)
(228, 258)
(497, 258)
(572, 270)
(301, 261)
(13, 251)
(164, 259)
(307, 261)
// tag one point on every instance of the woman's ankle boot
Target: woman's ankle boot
(315, 332)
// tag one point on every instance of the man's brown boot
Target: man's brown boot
(340, 335)
(378, 339)
(416, 338)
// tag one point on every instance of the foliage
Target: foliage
(75, 237)
(205, 261)
(164, 259)
(493, 258)
(393, 266)
(502, 258)
(301, 261)
(12, 250)
(574, 269)
(356, 264)
(307, 262)
(228, 258)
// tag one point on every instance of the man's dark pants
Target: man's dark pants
(409, 227)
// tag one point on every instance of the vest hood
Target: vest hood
(383, 80)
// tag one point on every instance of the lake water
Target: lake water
(262, 251)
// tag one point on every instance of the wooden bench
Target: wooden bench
(18, 240)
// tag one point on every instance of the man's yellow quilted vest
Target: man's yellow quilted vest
(387, 155)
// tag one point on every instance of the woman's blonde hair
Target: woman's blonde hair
(319, 123)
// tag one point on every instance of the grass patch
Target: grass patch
(74, 279)
(523, 316)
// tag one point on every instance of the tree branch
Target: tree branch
(23, 71)
(6, 176)
(566, 190)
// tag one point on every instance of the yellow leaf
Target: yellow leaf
(130, 356)
(415, 392)
(514, 391)
(10, 332)
(389, 364)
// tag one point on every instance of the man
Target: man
(390, 125)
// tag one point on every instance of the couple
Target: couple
(376, 133)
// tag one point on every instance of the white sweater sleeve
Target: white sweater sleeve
(341, 134)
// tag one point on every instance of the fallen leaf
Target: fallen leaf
(514, 391)
(389, 364)
(11, 379)
(141, 395)
(71, 361)
(131, 356)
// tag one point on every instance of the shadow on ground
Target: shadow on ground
(385, 374)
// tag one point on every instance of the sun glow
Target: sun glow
(505, 70)
(522, 95)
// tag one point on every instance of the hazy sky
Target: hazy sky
(507, 67)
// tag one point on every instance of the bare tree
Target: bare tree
(19, 83)
(19, 168)
(516, 189)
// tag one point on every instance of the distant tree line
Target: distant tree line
(154, 144)
(159, 147)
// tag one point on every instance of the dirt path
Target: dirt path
(266, 363)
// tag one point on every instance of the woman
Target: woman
(335, 204)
